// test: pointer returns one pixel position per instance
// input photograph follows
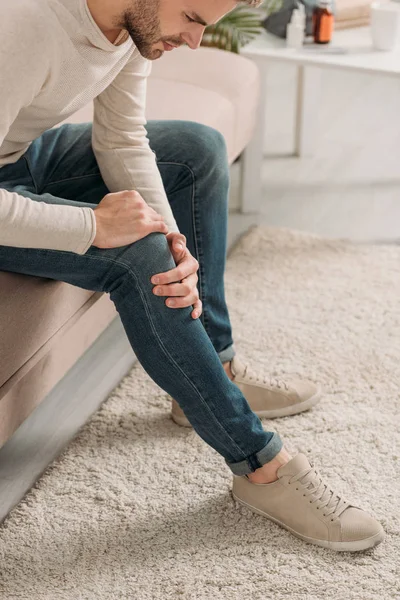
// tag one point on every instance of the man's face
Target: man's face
(151, 23)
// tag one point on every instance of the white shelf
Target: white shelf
(358, 52)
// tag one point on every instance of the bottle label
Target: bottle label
(326, 28)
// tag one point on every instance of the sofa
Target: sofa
(48, 328)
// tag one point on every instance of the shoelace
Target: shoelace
(273, 381)
(323, 495)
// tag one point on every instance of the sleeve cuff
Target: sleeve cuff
(89, 230)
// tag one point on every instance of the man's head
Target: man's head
(151, 23)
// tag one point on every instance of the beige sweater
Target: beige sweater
(54, 59)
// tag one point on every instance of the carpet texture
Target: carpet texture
(137, 507)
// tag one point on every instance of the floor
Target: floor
(139, 508)
(351, 186)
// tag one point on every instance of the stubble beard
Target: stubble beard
(143, 25)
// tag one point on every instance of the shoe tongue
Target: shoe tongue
(237, 367)
(296, 464)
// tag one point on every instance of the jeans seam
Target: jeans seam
(71, 179)
(162, 346)
(30, 173)
(199, 248)
(66, 126)
(168, 355)
(196, 237)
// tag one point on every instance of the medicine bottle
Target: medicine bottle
(295, 30)
(323, 22)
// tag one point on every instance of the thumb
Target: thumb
(179, 245)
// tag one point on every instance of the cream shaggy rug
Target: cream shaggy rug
(139, 508)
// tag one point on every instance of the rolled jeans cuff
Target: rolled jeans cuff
(227, 354)
(258, 459)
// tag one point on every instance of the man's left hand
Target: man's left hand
(180, 283)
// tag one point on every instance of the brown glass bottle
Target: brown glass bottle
(323, 21)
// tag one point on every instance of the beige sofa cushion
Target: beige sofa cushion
(211, 86)
(34, 313)
(184, 101)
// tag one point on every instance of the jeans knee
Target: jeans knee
(215, 160)
(211, 142)
(204, 148)
(152, 254)
(141, 259)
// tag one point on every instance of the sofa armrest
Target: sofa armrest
(208, 68)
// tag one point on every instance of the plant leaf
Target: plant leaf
(238, 27)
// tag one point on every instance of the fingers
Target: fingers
(184, 269)
(176, 236)
(183, 302)
(197, 309)
(179, 241)
(177, 244)
(158, 225)
(181, 295)
(156, 222)
(183, 288)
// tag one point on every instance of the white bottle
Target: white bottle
(295, 30)
(302, 10)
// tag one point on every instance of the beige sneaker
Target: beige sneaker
(306, 506)
(267, 396)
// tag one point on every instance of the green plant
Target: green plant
(239, 27)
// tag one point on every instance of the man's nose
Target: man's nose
(193, 40)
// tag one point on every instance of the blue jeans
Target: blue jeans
(182, 355)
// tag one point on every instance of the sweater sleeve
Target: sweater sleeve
(120, 142)
(24, 67)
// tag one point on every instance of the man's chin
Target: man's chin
(155, 54)
(151, 53)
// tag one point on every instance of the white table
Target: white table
(358, 56)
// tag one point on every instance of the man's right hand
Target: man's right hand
(123, 218)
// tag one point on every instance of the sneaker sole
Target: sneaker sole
(355, 546)
(294, 409)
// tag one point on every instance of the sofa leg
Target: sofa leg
(250, 181)
(252, 156)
